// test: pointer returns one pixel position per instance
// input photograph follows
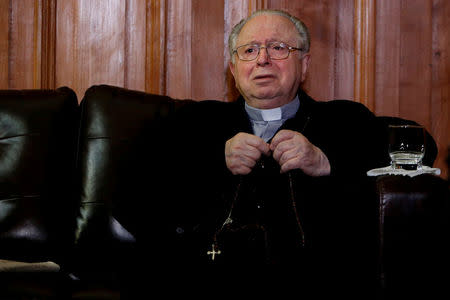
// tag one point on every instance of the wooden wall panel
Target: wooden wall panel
(155, 47)
(48, 44)
(415, 60)
(344, 58)
(364, 28)
(194, 50)
(24, 47)
(66, 51)
(4, 44)
(178, 49)
(207, 46)
(440, 82)
(91, 41)
(410, 77)
(387, 66)
(135, 44)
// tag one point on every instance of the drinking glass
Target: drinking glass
(406, 146)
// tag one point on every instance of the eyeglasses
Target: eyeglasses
(275, 50)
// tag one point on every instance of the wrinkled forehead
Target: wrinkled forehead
(268, 28)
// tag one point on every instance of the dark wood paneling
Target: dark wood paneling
(155, 47)
(344, 57)
(412, 64)
(135, 44)
(48, 45)
(207, 50)
(90, 43)
(415, 60)
(179, 49)
(440, 81)
(66, 45)
(24, 47)
(364, 28)
(387, 73)
(4, 44)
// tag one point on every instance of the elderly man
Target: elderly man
(275, 177)
(269, 62)
(257, 174)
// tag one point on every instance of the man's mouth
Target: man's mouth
(263, 77)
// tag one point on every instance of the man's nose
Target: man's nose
(263, 57)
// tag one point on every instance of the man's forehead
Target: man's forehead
(266, 28)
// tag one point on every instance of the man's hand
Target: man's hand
(243, 151)
(292, 150)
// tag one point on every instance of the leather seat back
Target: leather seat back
(38, 131)
(115, 122)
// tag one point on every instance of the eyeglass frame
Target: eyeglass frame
(290, 49)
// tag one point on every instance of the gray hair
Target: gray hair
(303, 33)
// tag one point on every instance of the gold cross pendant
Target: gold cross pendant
(213, 252)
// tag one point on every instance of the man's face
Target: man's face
(264, 82)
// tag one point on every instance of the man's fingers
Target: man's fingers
(259, 144)
(242, 151)
(241, 170)
(288, 155)
(288, 165)
(281, 136)
(282, 148)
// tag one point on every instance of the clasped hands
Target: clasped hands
(291, 149)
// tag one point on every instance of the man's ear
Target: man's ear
(231, 65)
(305, 64)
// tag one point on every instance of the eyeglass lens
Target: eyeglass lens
(274, 50)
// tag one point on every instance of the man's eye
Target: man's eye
(278, 48)
(249, 50)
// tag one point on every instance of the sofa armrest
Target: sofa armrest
(414, 233)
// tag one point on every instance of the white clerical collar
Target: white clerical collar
(284, 112)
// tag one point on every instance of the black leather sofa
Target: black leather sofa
(65, 173)
(63, 170)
